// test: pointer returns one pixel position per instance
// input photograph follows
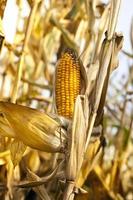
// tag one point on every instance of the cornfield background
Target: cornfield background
(43, 153)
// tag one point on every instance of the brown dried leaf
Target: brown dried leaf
(2, 7)
(40, 181)
(40, 190)
(1, 34)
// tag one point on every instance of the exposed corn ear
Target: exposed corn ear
(67, 83)
(33, 128)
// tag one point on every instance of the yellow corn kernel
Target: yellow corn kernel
(67, 83)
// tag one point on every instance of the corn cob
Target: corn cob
(67, 83)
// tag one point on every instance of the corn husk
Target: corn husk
(33, 128)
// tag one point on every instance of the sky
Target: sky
(124, 21)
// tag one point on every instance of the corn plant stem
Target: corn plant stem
(101, 32)
(104, 65)
(69, 194)
(115, 7)
(99, 86)
(21, 62)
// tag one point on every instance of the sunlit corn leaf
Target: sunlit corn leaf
(38, 26)
(17, 149)
(4, 157)
(34, 128)
(34, 161)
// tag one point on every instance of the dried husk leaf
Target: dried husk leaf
(33, 128)
(78, 141)
(5, 128)
(77, 146)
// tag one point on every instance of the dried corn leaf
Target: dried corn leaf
(40, 190)
(2, 7)
(40, 181)
(1, 34)
(68, 37)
